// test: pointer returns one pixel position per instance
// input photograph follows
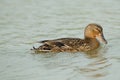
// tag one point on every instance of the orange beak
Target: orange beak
(101, 38)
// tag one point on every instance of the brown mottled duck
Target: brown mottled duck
(93, 32)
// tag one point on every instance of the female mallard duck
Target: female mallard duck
(92, 33)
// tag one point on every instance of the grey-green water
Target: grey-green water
(23, 22)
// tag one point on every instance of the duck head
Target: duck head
(95, 31)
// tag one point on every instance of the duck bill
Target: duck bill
(101, 38)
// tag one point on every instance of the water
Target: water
(23, 22)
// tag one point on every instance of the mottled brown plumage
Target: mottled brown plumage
(90, 42)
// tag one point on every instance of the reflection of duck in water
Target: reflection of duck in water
(90, 42)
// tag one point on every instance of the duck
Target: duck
(93, 35)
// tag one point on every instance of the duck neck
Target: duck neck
(93, 42)
(91, 39)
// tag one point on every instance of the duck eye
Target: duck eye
(97, 30)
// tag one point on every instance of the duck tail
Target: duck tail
(33, 48)
(43, 48)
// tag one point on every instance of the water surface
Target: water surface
(23, 22)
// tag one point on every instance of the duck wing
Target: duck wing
(64, 41)
(61, 44)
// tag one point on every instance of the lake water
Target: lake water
(23, 22)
